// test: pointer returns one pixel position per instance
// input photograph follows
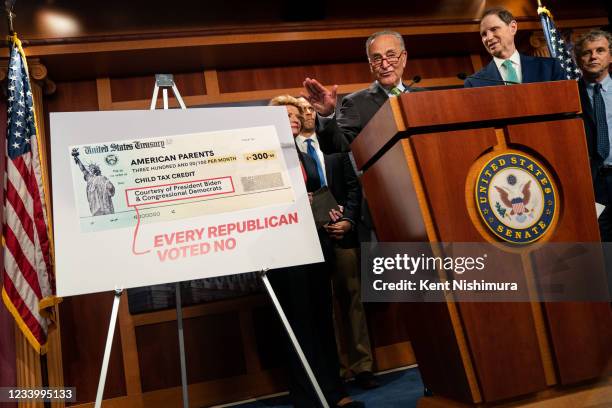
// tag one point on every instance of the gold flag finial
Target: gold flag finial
(543, 10)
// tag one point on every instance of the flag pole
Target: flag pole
(543, 10)
(47, 303)
(557, 44)
(9, 5)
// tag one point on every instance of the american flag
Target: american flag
(557, 46)
(28, 283)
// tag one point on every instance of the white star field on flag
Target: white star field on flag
(560, 49)
(20, 97)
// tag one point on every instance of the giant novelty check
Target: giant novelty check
(123, 183)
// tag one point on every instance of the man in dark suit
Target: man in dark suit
(497, 30)
(304, 291)
(337, 128)
(350, 322)
(593, 52)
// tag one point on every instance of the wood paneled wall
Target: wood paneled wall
(137, 88)
(240, 16)
(253, 84)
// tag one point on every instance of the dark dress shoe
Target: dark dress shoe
(366, 380)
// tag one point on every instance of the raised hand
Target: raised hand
(322, 99)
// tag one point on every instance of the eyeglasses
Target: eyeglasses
(392, 58)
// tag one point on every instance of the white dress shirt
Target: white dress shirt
(399, 86)
(515, 59)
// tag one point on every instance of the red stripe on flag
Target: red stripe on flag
(39, 218)
(21, 167)
(24, 311)
(12, 196)
(30, 181)
(24, 265)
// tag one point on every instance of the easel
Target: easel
(165, 82)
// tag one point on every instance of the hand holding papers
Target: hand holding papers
(322, 202)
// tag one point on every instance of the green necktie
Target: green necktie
(511, 74)
(395, 91)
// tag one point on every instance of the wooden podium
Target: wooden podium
(420, 154)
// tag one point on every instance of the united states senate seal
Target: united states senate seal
(516, 197)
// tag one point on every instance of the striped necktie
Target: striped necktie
(314, 156)
(599, 111)
(395, 91)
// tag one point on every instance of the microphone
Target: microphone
(464, 76)
(415, 80)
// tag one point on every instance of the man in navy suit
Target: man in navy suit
(594, 56)
(497, 30)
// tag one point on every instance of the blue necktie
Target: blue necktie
(314, 156)
(599, 109)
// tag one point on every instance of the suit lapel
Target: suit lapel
(491, 72)
(312, 176)
(527, 69)
(590, 127)
(379, 97)
(587, 109)
(329, 168)
(309, 165)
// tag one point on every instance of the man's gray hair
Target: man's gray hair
(591, 36)
(503, 14)
(395, 34)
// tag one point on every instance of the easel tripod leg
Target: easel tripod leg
(294, 340)
(181, 340)
(107, 349)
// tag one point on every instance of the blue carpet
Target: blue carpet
(399, 389)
